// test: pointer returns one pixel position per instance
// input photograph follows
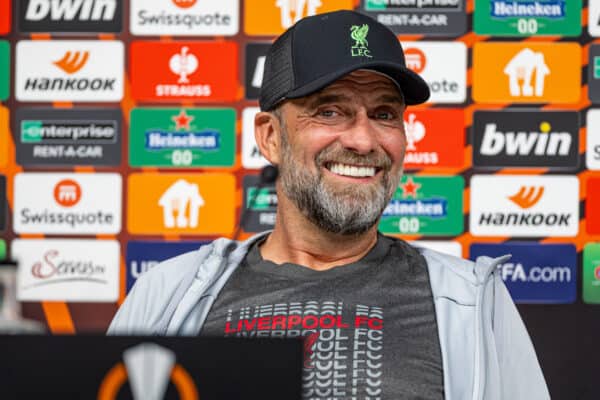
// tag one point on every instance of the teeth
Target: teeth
(351, 170)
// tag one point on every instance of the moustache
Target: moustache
(345, 156)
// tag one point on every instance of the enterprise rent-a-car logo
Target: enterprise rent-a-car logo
(536, 273)
(47, 136)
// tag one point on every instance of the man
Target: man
(381, 319)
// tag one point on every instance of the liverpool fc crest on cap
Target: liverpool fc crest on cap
(359, 35)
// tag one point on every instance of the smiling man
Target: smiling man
(381, 319)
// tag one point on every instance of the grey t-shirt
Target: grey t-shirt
(369, 326)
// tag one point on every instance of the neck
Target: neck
(297, 240)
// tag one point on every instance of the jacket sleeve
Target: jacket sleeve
(150, 304)
(520, 374)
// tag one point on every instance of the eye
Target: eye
(328, 113)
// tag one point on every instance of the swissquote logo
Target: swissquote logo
(182, 199)
(67, 192)
(443, 66)
(70, 15)
(435, 138)
(67, 270)
(415, 59)
(69, 71)
(524, 205)
(526, 138)
(148, 368)
(184, 71)
(184, 17)
(72, 204)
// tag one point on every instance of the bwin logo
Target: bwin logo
(68, 10)
(542, 143)
(72, 62)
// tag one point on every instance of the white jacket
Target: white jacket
(486, 351)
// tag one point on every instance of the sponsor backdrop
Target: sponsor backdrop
(126, 137)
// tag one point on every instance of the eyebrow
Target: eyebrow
(326, 99)
(390, 98)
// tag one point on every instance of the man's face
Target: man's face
(342, 151)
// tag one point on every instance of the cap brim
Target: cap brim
(414, 89)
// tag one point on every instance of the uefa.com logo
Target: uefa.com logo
(524, 205)
(69, 70)
(184, 17)
(535, 273)
(67, 270)
(69, 204)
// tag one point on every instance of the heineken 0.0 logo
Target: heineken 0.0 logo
(425, 205)
(173, 137)
(527, 17)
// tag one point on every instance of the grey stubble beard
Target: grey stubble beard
(351, 210)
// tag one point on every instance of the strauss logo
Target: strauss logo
(415, 131)
(183, 64)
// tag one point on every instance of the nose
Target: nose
(360, 135)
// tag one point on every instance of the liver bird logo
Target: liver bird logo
(359, 35)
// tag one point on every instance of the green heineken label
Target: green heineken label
(591, 273)
(425, 205)
(182, 137)
(527, 17)
(4, 69)
(2, 249)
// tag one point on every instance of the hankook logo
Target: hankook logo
(526, 138)
(527, 197)
(86, 16)
(524, 205)
(85, 70)
(72, 62)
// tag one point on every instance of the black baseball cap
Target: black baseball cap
(320, 49)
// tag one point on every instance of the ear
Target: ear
(267, 135)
